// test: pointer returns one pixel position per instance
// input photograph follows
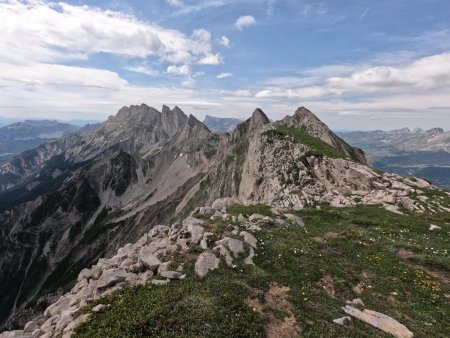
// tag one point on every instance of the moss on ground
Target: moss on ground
(340, 255)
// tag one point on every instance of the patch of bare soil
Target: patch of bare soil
(405, 253)
(327, 236)
(440, 274)
(276, 298)
(327, 284)
(365, 277)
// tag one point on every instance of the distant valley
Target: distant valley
(18, 137)
(422, 153)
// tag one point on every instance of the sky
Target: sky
(357, 64)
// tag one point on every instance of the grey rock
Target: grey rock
(205, 262)
(236, 246)
(164, 266)
(249, 239)
(380, 321)
(255, 218)
(249, 259)
(221, 203)
(295, 219)
(148, 258)
(225, 253)
(111, 277)
(14, 334)
(171, 274)
(160, 282)
(30, 327)
(346, 320)
(100, 308)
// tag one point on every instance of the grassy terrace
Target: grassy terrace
(392, 262)
(319, 148)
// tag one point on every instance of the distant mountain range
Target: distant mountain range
(220, 124)
(423, 153)
(21, 136)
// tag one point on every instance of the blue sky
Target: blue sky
(357, 64)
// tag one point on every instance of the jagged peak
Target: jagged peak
(305, 112)
(435, 130)
(193, 121)
(258, 119)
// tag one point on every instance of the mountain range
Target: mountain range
(80, 201)
(423, 153)
(21, 136)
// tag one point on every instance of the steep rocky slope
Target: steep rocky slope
(144, 167)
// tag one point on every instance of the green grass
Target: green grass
(353, 246)
(248, 210)
(212, 307)
(318, 147)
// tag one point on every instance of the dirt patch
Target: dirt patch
(405, 253)
(365, 277)
(327, 236)
(440, 274)
(327, 284)
(279, 321)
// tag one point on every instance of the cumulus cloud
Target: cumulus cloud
(244, 21)
(224, 75)
(224, 41)
(211, 59)
(179, 70)
(44, 31)
(428, 73)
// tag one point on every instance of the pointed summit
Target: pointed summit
(306, 120)
(172, 120)
(258, 119)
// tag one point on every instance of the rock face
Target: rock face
(66, 204)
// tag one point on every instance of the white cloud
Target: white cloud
(211, 59)
(428, 73)
(142, 69)
(179, 70)
(224, 75)
(310, 10)
(176, 3)
(38, 30)
(224, 41)
(244, 21)
(243, 93)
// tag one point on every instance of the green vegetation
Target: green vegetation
(248, 210)
(212, 307)
(392, 262)
(318, 147)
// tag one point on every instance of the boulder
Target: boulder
(249, 238)
(343, 321)
(100, 308)
(255, 218)
(171, 275)
(30, 327)
(380, 321)
(205, 262)
(235, 245)
(147, 257)
(295, 219)
(221, 203)
(111, 277)
(160, 282)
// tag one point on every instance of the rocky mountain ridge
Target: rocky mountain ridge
(144, 167)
